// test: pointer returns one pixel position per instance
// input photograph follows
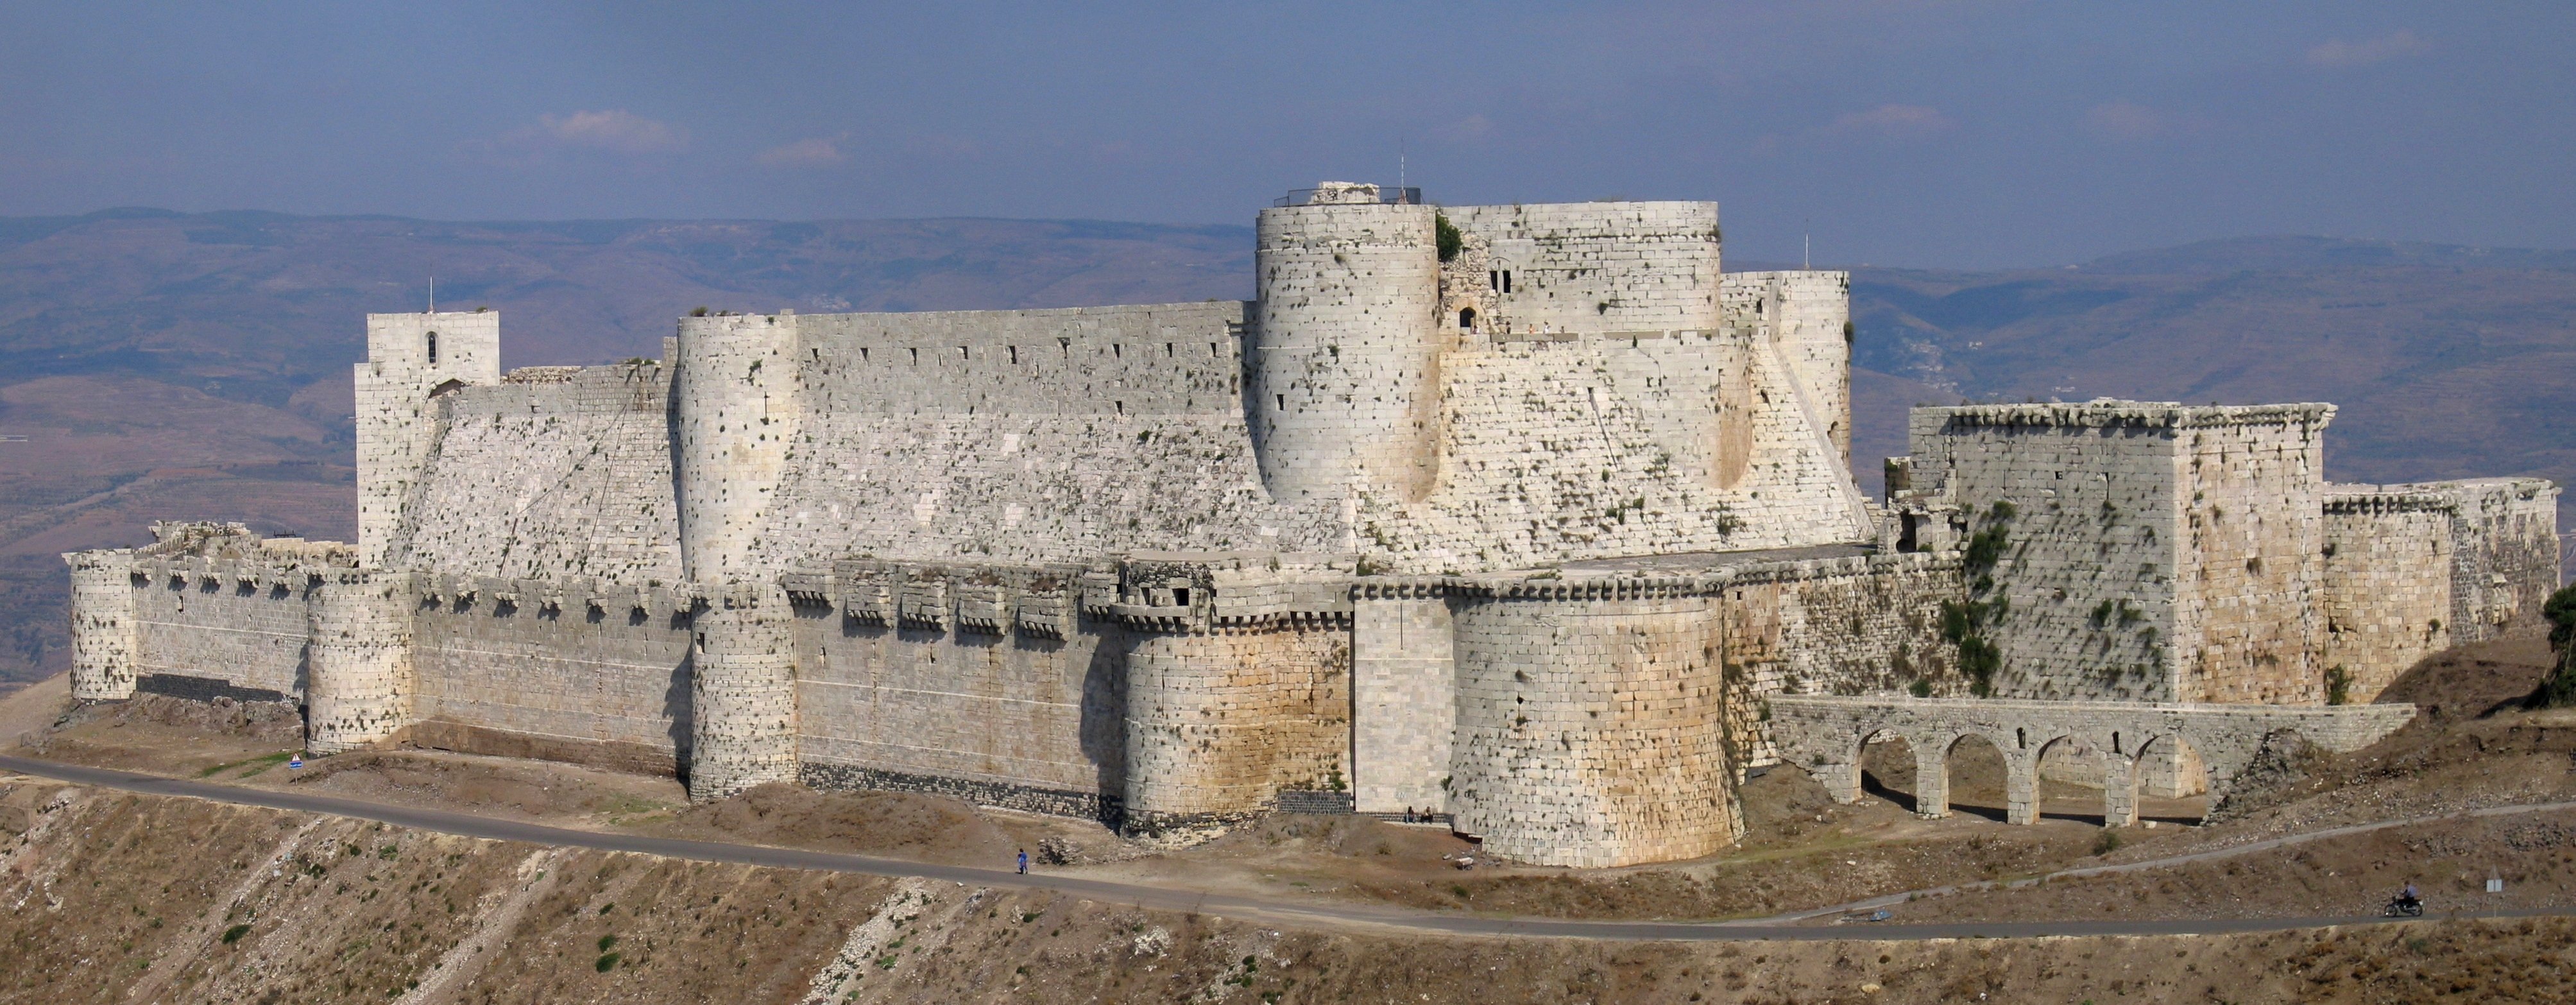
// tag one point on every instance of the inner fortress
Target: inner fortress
(1518, 517)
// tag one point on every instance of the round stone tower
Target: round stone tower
(736, 405)
(358, 686)
(1344, 361)
(103, 625)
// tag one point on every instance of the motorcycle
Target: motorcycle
(2403, 907)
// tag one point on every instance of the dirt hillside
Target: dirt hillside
(143, 899)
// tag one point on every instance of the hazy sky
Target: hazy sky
(1920, 133)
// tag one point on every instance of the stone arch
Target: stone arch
(1891, 773)
(2169, 766)
(1990, 766)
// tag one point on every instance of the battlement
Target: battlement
(2108, 414)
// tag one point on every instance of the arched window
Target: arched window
(1467, 317)
(433, 348)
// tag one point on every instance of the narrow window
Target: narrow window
(1211, 348)
(916, 355)
(1467, 317)
(1507, 280)
(1181, 596)
(1015, 355)
(961, 353)
(1283, 402)
(2115, 744)
(2021, 739)
(433, 348)
(1167, 349)
(1122, 407)
(863, 354)
(1118, 350)
(1494, 280)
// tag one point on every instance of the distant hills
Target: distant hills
(167, 365)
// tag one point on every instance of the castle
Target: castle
(1524, 516)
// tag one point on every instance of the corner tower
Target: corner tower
(411, 360)
(735, 410)
(1344, 362)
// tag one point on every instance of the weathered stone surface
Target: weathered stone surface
(1533, 536)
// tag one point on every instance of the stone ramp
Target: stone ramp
(1825, 734)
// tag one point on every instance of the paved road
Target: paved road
(1257, 909)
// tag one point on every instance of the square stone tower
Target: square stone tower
(2136, 551)
(411, 360)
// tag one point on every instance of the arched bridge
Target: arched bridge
(1826, 734)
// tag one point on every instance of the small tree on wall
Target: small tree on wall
(2560, 611)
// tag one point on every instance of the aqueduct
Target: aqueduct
(1826, 734)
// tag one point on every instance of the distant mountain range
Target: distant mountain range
(165, 365)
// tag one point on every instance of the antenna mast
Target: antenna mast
(433, 293)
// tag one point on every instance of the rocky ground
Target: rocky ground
(117, 898)
(376, 909)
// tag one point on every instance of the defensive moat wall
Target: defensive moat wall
(1519, 515)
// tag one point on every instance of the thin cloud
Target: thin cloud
(1898, 122)
(818, 151)
(2339, 53)
(614, 132)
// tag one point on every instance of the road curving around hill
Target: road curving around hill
(1275, 911)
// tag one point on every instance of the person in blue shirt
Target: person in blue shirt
(1024, 861)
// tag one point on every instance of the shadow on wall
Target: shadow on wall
(678, 705)
(1104, 718)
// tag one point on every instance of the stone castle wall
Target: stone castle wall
(554, 473)
(981, 680)
(2388, 557)
(578, 671)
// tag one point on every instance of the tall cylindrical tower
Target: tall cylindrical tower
(743, 692)
(358, 688)
(1344, 363)
(104, 637)
(736, 407)
(737, 410)
(1590, 724)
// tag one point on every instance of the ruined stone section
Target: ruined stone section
(743, 693)
(359, 690)
(557, 473)
(104, 629)
(412, 359)
(1807, 314)
(736, 412)
(2153, 551)
(1344, 358)
(1882, 612)
(1590, 725)
(2505, 554)
(578, 670)
(1825, 736)
(1403, 713)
